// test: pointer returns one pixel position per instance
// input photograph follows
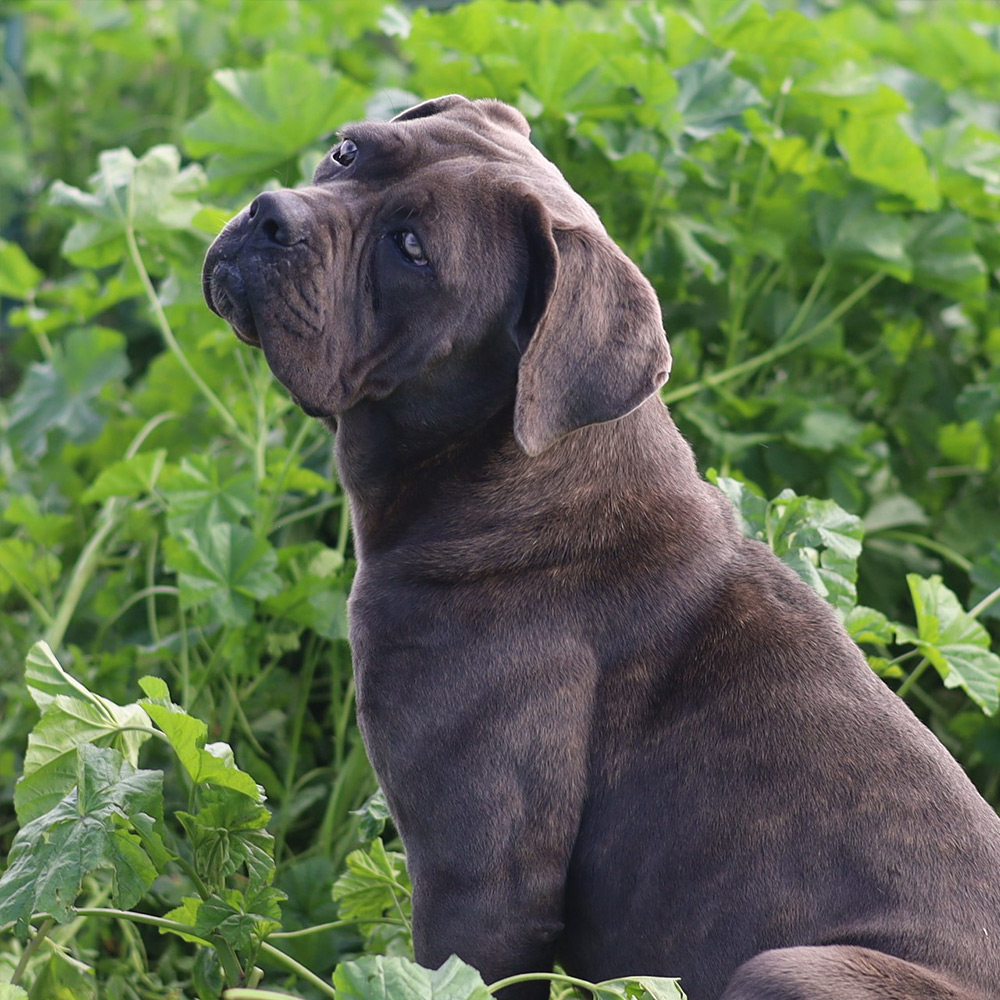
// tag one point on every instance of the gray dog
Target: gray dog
(612, 732)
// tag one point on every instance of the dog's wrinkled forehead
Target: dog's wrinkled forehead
(486, 139)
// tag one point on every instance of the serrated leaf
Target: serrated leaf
(711, 98)
(241, 920)
(956, 644)
(61, 393)
(943, 250)
(153, 194)
(851, 230)
(259, 118)
(10, 992)
(156, 690)
(25, 565)
(374, 816)
(878, 150)
(376, 977)
(225, 565)
(89, 830)
(130, 477)
(186, 914)
(751, 507)
(228, 834)
(376, 885)
(314, 591)
(18, 276)
(640, 988)
(203, 490)
(187, 736)
(868, 625)
(820, 541)
(72, 716)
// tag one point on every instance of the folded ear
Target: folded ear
(596, 348)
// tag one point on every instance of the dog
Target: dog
(612, 732)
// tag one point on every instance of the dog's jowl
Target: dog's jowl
(612, 732)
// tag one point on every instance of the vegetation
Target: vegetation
(814, 190)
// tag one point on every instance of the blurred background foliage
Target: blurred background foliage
(812, 186)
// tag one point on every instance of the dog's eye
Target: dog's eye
(411, 246)
(344, 154)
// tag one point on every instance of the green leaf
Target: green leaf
(821, 541)
(260, 118)
(62, 393)
(374, 816)
(375, 886)
(45, 529)
(18, 276)
(89, 830)
(212, 764)
(152, 194)
(228, 834)
(640, 988)
(241, 920)
(711, 99)
(130, 477)
(9, 992)
(26, 566)
(868, 625)
(314, 591)
(72, 717)
(376, 977)
(225, 565)
(206, 490)
(751, 507)
(957, 645)
(945, 259)
(63, 977)
(852, 231)
(878, 150)
(817, 538)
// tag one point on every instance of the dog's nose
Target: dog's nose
(279, 218)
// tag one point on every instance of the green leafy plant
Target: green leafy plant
(813, 191)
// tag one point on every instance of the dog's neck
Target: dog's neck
(441, 514)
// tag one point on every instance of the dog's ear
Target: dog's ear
(435, 106)
(591, 333)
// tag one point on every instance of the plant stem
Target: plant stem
(242, 994)
(552, 977)
(163, 323)
(87, 561)
(985, 603)
(930, 544)
(333, 925)
(30, 948)
(778, 350)
(304, 688)
(912, 677)
(300, 970)
(807, 303)
(86, 565)
(143, 918)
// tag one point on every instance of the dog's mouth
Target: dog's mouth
(226, 295)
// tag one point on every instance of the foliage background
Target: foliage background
(812, 187)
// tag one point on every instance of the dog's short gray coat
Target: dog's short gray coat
(612, 732)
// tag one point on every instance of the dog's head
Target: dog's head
(423, 242)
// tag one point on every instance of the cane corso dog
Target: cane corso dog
(612, 732)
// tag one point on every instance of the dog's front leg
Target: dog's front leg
(487, 799)
(504, 921)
